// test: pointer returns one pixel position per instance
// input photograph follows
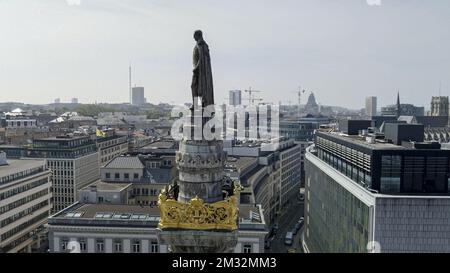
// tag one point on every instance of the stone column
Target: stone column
(200, 164)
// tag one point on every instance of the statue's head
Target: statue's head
(198, 35)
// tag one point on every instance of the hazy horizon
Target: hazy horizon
(342, 50)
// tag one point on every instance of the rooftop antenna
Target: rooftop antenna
(130, 82)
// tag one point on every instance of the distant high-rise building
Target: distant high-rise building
(75, 100)
(371, 106)
(138, 96)
(58, 100)
(235, 97)
(439, 106)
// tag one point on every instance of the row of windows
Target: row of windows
(112, 142)
(23, 226)
(63, 154)
(23, 201)
(58, 181)
(144, 192)
(18, 123)
(23, 213)
(359, 159)
(62, 190)
(59, 164)
(290, 153)
(23, 188)
(353, 172)
(63, 199)
(110, 150)
(62, 173)
(20, 175)
(136, 245)
(125, 175)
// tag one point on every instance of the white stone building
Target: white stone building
(107, 228)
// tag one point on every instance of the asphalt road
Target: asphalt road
(287, 223)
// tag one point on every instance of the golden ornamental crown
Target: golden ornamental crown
(198, 215)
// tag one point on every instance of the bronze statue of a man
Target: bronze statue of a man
(202, 82)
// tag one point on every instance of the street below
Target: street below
(286, 224)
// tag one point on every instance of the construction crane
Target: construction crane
(299, 94)
(257, 99)
(250, 97)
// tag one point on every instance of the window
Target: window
(136, 176)
(107, 175)
(127, 176)
(390, 174)
(154, 247)
(117, 175)
(247, 248)
(136, 247)
(100, 246)
(117, 246)
(413, 173)
(64, 243)
(82, 243)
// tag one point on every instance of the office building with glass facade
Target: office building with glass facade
(363, 195)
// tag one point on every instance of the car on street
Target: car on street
(288, 238)
(297, 227)
(292, 250)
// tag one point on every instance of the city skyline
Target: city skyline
(58, 48)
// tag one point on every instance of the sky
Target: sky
(342, 50)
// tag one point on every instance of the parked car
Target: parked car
(296, 228)
(288, 238)
(292, 250)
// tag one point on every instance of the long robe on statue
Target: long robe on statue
(202, 82)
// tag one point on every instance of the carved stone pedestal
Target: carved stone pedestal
(193, 241)
(200, 166)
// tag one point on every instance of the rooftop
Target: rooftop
(129, 215)
(62, 138)
(361, 141)
(125, 162)
(17, 166)
(160, 145)
(242, 162)
(160, 175)
(104, 186)
(92, 211)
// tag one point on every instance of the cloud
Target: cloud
(73, 2)
(373, 2)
